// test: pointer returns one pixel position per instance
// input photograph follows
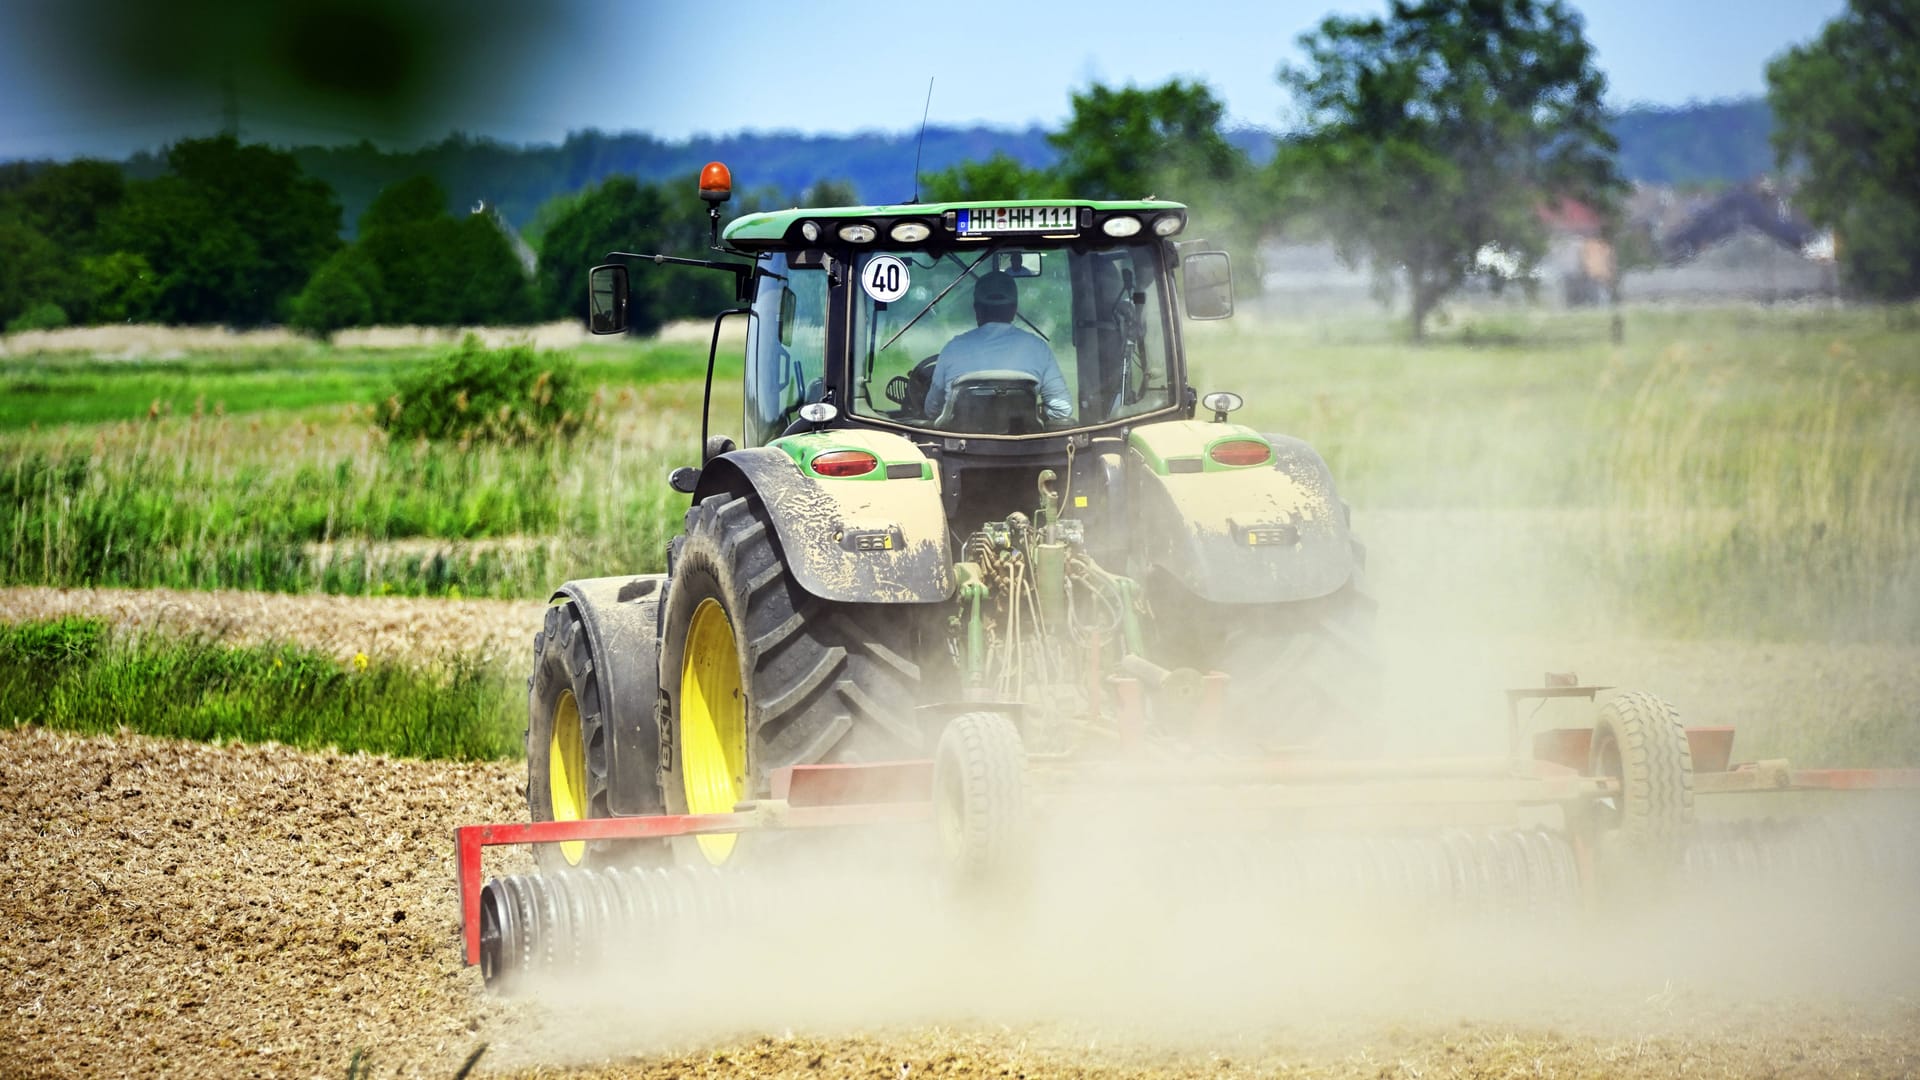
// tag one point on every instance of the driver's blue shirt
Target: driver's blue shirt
(999, 346)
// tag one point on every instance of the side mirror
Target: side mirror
(1208, 277)
(607, 299)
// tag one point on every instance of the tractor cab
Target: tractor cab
(1022, 320)
(1011, 320)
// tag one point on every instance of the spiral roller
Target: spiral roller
(1818, 852)
(533, 923)
(1493, 874)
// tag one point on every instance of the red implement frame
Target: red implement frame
(806, 797)
(900, 792)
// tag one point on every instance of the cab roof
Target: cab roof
(776, 229)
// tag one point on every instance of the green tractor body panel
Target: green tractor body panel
(1261, 534)
(877, 538)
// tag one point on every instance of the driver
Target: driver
(997, 344)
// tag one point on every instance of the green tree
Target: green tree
(1843, 109)
(336, 296)
(49, 224)
(624, 215)
(1440, 130)
(119, 287)
(1163, 141)
(998, 177)
(415, 263)
(31, 269)
(1131, 143)
(232, 230)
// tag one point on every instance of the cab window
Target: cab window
(786, 347)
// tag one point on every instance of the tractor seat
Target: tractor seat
(992, 402)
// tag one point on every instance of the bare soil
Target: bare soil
(190, 910)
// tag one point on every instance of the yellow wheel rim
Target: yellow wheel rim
(713, 723)
(567, 772)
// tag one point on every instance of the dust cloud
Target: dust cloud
(1184, 931)
(1168, 918)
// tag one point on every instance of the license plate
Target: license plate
(988, 220)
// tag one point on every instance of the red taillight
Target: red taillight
(1241, 452)
(844, 463)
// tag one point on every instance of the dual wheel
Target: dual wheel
(746, 673)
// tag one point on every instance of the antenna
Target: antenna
(922, 144)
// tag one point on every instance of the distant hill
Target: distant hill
(1696, 145)
(1720, 142)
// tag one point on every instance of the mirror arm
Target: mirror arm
(742, 272)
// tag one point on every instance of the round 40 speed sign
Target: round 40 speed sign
(885, 278)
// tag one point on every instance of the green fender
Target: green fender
(879, 538)
(1270, 533)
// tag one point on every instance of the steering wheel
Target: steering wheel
(910, 391)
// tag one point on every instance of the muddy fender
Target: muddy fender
(622, 619)
(1270, 533)
(874, 539)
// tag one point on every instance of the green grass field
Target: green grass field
(76, 674)
(1722, 471)
(1729, 474)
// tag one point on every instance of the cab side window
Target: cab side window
(786, 347)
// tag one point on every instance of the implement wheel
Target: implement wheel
(980, 798)
(1638, 740)
(757, 675)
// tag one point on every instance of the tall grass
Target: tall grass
(1728, 506)
(75, 675)
(329, 503)
(1733, 471)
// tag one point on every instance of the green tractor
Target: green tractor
(977, 513)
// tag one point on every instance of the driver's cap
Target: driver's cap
(996, 289)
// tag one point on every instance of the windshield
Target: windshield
(1011, 339)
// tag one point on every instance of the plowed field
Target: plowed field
(190, 910)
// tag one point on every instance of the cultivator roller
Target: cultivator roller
(1827, 854)
(531, 923)
(1563, 823)
(1469, 874)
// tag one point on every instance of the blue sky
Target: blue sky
(678, 70)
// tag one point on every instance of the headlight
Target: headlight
(858, 233)
(810, 231)
(1120, 225)
(909, 232)
(1167, 224)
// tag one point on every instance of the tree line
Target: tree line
(1427, 136)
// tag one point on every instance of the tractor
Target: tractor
(981, 541)
(899, 551)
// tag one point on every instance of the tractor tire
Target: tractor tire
(566, 736)
(1300, 673)
(1638, 739)
(980, 800)
(756, 674)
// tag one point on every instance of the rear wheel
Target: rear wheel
(758, 675)
(566, 735)
(1301, 672)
